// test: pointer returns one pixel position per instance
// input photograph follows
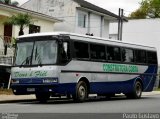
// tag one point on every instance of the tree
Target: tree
(14, 3)
(138, 14)
(20, 20)
(148, 9)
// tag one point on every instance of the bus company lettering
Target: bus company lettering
(120, 68)
(30, 74)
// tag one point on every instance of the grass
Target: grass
(158, 89)
(6, 91)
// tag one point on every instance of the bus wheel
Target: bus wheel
(42, 97)
(81, 92)
(137, 92)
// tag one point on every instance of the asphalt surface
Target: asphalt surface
(24, 107)
(119, 104)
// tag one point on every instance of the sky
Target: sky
(111, 5)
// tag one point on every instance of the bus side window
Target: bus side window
(113, 53)
(81, 50)
(97, 52)
(151, 57)
(127, 55)
(140, 56)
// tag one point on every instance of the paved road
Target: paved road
(148, 103)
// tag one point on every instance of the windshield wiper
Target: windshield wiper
(26, 61)
(37, 57)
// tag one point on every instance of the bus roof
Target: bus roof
(94, 39)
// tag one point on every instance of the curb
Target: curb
(14, 101)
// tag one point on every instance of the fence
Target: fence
(6, 60)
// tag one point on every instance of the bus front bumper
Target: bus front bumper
(23, 89)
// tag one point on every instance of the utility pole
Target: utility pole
(120, 24)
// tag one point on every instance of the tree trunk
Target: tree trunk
(21, 31)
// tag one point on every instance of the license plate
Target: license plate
(31, 89)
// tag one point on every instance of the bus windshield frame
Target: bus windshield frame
(36, 51)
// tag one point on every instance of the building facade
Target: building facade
(78, 16)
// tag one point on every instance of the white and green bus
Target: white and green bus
(57, 64)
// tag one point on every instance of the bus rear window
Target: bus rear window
(152, 57)
(140, 56)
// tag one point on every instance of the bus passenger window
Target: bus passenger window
(81, 50)
(152, 57)
(140, 56)
(97, 52)
(127, 55)
(113, 53)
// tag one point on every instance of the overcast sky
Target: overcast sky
(111, 5)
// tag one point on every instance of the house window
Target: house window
(81, 20)
(34, 29)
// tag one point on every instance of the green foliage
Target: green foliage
(148, 9)
(20, 20)
(6, 91)
(14, 3)
(138, 14)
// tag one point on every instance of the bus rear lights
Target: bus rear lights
(55, 80)
(14, 81)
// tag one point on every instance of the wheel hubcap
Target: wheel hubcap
(82, 92)
(138, 90)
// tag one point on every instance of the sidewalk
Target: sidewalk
(16, 98)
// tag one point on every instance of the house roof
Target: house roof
(33, 13)
(91, 6)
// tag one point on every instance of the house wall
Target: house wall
(62, 9)
(1, 29)
(1, 47)
(105, 29)
(67, 10)
(45, 26)
(95, 24)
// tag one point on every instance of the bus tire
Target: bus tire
(42, 97)
(81, 92)
(137, 92)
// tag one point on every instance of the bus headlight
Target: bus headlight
(14, 81)
(52, 80)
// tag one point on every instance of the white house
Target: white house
(140, 31)
(41, 23)
(79, 16)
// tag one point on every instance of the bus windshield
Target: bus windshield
(36, 53)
